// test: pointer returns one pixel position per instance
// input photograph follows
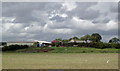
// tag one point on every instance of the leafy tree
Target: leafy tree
(59, 39)
(95, 37)
(35, 43)
(70, 39)
(75, 38)
(65, 40)
(114, 40)
(85, 38)
(56, 44)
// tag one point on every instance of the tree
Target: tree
(55, 43)
(65, 40)
(59, 39)
(75, 38)
(85, 38)
(70, 39)
(95, 37)
(114, 40)
(35, 43)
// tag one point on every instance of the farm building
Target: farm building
(43, 43)
(20, 43)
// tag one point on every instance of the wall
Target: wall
(29, 44)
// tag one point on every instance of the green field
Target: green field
(59, 60)
(68, 50)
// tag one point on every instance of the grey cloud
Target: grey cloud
(35, 16)
(83, 12)
(89, 15)
(114, 7)
(106, 20)
(23, 11)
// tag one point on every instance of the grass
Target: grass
(70, 50)
(59, 60)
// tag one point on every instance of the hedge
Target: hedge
(14, 47)
(99, 45)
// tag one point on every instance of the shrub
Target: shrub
(100, 45)
(115, 45)
(106, 45)
(84, 51)
(92, 51)
(83, 44)
(45, 50)
(97, 45)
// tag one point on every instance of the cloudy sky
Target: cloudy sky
(28, 21)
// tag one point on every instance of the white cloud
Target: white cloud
(8, 19)
(7, 26)
(82, 24)
(55, 13)
(69, 6)
(64, 15)
(111, 25)
(26, 28)
(62, 31)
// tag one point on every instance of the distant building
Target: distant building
(77, 41)
(20, 43)
(43, 43)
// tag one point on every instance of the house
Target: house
(20, 43)
(77, 41)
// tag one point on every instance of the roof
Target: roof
(43, 42)
(54, 41)
(20, 42)
(78, 41)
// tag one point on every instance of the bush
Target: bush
(83, 44)
(14, 47)
(84, 51)
(101, 45)
(107, 45)
(115, 45)
(97, 45)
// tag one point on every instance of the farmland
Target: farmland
(13, 60)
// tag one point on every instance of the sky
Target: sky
(46, 21)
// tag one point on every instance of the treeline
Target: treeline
(95, 37)
(3, 43)
(14, 47)
(93, 40)
(99, 45)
